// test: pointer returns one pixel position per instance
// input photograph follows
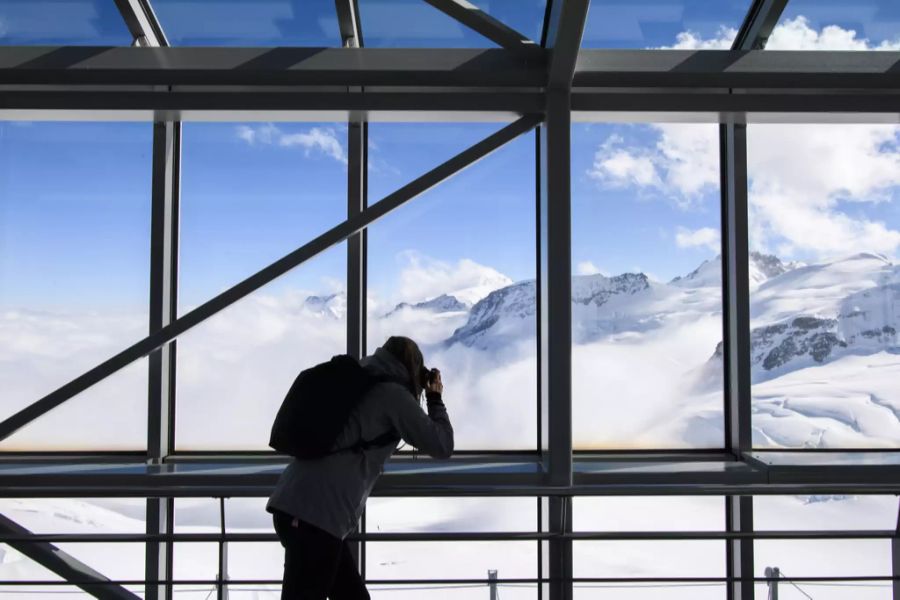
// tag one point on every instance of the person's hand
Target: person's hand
(435, 385)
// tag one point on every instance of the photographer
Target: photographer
(318, 502)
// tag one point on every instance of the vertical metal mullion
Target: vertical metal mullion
(357, 133)
(736, 345)
(163, 310)
(895, 557)
(555, 327)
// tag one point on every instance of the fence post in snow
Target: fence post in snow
(774, 573)
(492, 578)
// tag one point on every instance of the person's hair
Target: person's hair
(408, 353)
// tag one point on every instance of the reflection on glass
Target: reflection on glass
(249, 22)
(837, 25)
(70, 23)
(454, 270)
(413, 23)
(688, 24)
(74, 277)
(825, 229)
(646, 286)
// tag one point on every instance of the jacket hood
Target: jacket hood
(385, 364)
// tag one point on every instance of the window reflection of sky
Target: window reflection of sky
(72, 22)
(249, 22)
(653, 23)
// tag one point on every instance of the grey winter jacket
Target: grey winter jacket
(331, 492)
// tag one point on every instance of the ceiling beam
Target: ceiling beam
(758, 25)
(481, 22)
(142, 23)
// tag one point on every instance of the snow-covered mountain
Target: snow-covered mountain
(439, 304)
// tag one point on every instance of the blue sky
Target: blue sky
(74, 197)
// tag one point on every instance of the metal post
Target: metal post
(555, 276)
(773, 573)
(492, 583)
(736, 343)
(222, 577)
(163, 310)
(356, 243)
(895, 557)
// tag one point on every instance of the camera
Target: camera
(427, 376)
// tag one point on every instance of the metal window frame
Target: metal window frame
(556, 83)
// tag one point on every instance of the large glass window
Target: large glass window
(448, 559)
(94, 516)
(74, 278)
(795, 559)
(824, 233)
(637, 559)
(413, 23)
(70, 23)
(688, 24)
(252, 193)
(837, 25)
(249, 22)
(454, 270)
(646, 286)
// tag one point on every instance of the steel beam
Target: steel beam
(357, 141)
(63, 564)
(333, 236)
(348, 23)
(142, 23)
(59, 68)
(481, 22)
(163, 311)
(761, 19)
(739, 551)
(195, 67)
(163, 285)
(736, 288)
(565, 27)
(555, 329)
(895, 557)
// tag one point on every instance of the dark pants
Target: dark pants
(316, 564)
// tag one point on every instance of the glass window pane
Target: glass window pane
(413, 23)
(115, 560)
(450, 560)
(649, 558)
(62, 22)
(688, 24)
(826, 558)
(646, 286)
(825, 229)
(454, 270)
(252, 193)
(249, 22)
(838, 25)
(74, 277)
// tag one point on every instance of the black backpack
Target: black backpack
(316, 408)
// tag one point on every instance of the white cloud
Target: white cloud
(423, 278)
(683, 163)
(688, 40)
(796, 34)
(321, 140)
(705, 237)
(586, 267)
(805, 179)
